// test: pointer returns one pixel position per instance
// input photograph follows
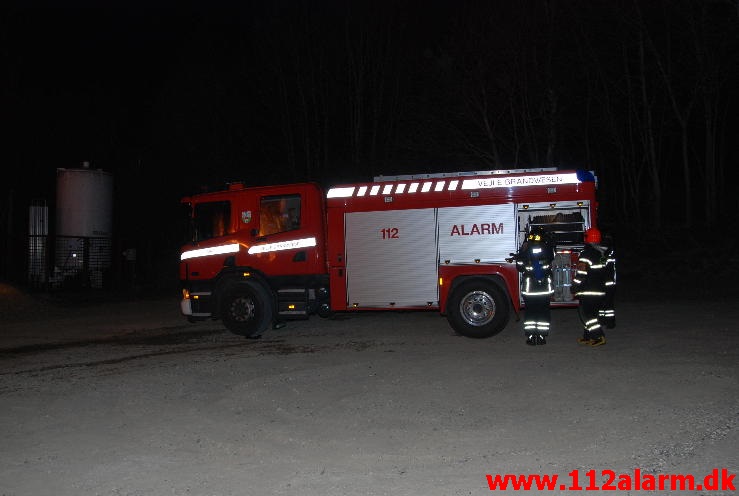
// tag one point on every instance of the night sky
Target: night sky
(200, 95)
(175, 98)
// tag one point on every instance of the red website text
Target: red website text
(609, 480)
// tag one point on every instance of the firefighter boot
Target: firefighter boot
(585, 339)
(536, 340)
(598, 341)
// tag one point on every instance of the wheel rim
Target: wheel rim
(242, 309)
(477, 308)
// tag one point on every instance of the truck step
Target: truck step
(292, 303)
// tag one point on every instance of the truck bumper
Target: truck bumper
(196, 306)
(186, 307)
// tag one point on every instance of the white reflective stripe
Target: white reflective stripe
(591, 293)
(527, 290)
(283, 245)
(592, 325)
(466, 184)
(207, 252)
(340, 192)
(610, 283)
(516, 181)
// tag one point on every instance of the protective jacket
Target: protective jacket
(534, 261)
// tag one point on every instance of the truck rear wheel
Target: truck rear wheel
(246, 308)
(478, 309)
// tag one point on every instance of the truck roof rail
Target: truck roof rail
(409, 177)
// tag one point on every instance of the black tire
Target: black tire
(478, 309)
(246, 308)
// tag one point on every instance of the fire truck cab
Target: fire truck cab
(261, 255)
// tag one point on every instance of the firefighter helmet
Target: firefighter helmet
(592, 235)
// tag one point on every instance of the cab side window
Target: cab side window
(211, 220)
(279, 213)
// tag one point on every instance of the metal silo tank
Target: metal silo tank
(84, 226)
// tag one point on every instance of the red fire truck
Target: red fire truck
(259, 256)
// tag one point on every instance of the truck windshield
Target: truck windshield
(210, 220)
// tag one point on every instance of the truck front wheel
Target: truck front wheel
(478, 309)
(246, 308)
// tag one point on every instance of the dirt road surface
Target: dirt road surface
(125, 398)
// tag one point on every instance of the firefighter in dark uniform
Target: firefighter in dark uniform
(595, 287)
(534, 261)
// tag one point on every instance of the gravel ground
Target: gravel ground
(125, 398)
